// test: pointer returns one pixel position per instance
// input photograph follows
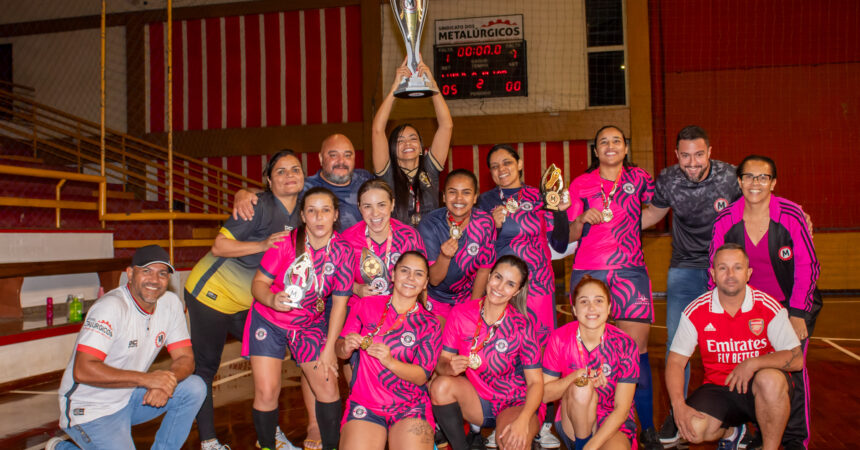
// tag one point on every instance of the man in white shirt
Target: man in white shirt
(107, 386)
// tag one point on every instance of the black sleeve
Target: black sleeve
(558, 240)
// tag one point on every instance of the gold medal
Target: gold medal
(581, 381)
(552, 200)
(474, 361)
(455, 232)
(366, 341)
(416, 218)
(320, 305)
(371, 267)
(607, 214)
(512, 205)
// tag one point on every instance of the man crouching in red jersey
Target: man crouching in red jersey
(748, 347)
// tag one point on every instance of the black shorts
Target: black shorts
(730, 407)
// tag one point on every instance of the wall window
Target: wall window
(607, 75)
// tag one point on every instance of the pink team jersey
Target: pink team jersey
(616, 244)
(336, 267)
(403, 239)
(415, 341)
(617, 356)
(759, 327)
(512, 348)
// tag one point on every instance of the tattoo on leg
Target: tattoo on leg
(795, 353)
(422, 429)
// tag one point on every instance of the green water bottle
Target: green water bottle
(76, 309)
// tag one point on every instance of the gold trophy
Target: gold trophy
(410, 15)
(552, 188)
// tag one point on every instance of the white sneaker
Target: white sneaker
(213, 444)
(491, 440)
(53, 443)
(546, 439)
(281, 441)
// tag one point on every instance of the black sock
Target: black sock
(550, 412)
(450, 420)
(265, 423)
(328, 418)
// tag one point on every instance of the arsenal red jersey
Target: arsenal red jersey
(760, 327)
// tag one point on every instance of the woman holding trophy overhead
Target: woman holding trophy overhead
(290, 290)
(395, 343)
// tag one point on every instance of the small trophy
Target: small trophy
(552, 187)
(373, 271)
(298, 280)
(410, 15)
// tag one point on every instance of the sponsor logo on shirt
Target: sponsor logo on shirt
(132, 343)
(328, 268)
(756, 326)
(260, 334)
(102, 327)
(735, 352)
(472, 249)
(785, 253)
(407, 339)
(78, 412)
(159, 339)
(642, 300)
(629, 188)
(501, 345)
(710, 327)
(359, 412)
(212, 295)
(720, 204)
(527, 206)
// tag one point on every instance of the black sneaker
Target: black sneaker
(668, 433)
(475, 441)
(752, 439)
(648, 440)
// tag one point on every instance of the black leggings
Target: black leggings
(209, 329)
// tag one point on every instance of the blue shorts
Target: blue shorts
(267, 339)
(491, 409)
(387, 419)
(630, 289)
(569, 443)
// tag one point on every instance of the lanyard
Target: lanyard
(415, 200)
(583, 359)
(387, 244)
(397, 323)
(607, 198)
(495, 326)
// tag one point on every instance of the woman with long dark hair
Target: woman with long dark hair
(400, 160)
(492, 341)
(590, 366)
(397, 343)
(606, 213)
(218, 289)
(290, 290)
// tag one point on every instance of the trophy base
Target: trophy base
(415, 87)
(415, 93)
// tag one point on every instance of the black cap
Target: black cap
(151, 254)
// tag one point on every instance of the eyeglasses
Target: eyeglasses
(763, 178)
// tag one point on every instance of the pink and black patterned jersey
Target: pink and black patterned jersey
(403, 239)
(525, 234)
(513, 348)
(616, 244)
(759, 327)
(617, 356)
(475, 250)
(335, 267)
(416, 341)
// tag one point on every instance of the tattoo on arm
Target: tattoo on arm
(795, 353)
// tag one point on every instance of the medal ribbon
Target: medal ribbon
(452, 223)
(387, 244)
(583, 359)
(607, 199)
(415, 200)
(519, 195)
(397, 323)
(495, 326)
(309, 250)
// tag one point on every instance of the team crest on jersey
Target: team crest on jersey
(260, 334)
(428, 305)
(606, 369)
(472, 249)
(629, 188)
(394, 258)
(501, 345)
(720, 204)
(159, 339)
(785, 253)
(359, 412)
(407, 339)
(756, 326)
(425, 180)
(328, 268)
(527, 206)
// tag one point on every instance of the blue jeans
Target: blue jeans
(683, 285)
(114, 431)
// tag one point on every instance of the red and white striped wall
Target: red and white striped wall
(258, 70)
